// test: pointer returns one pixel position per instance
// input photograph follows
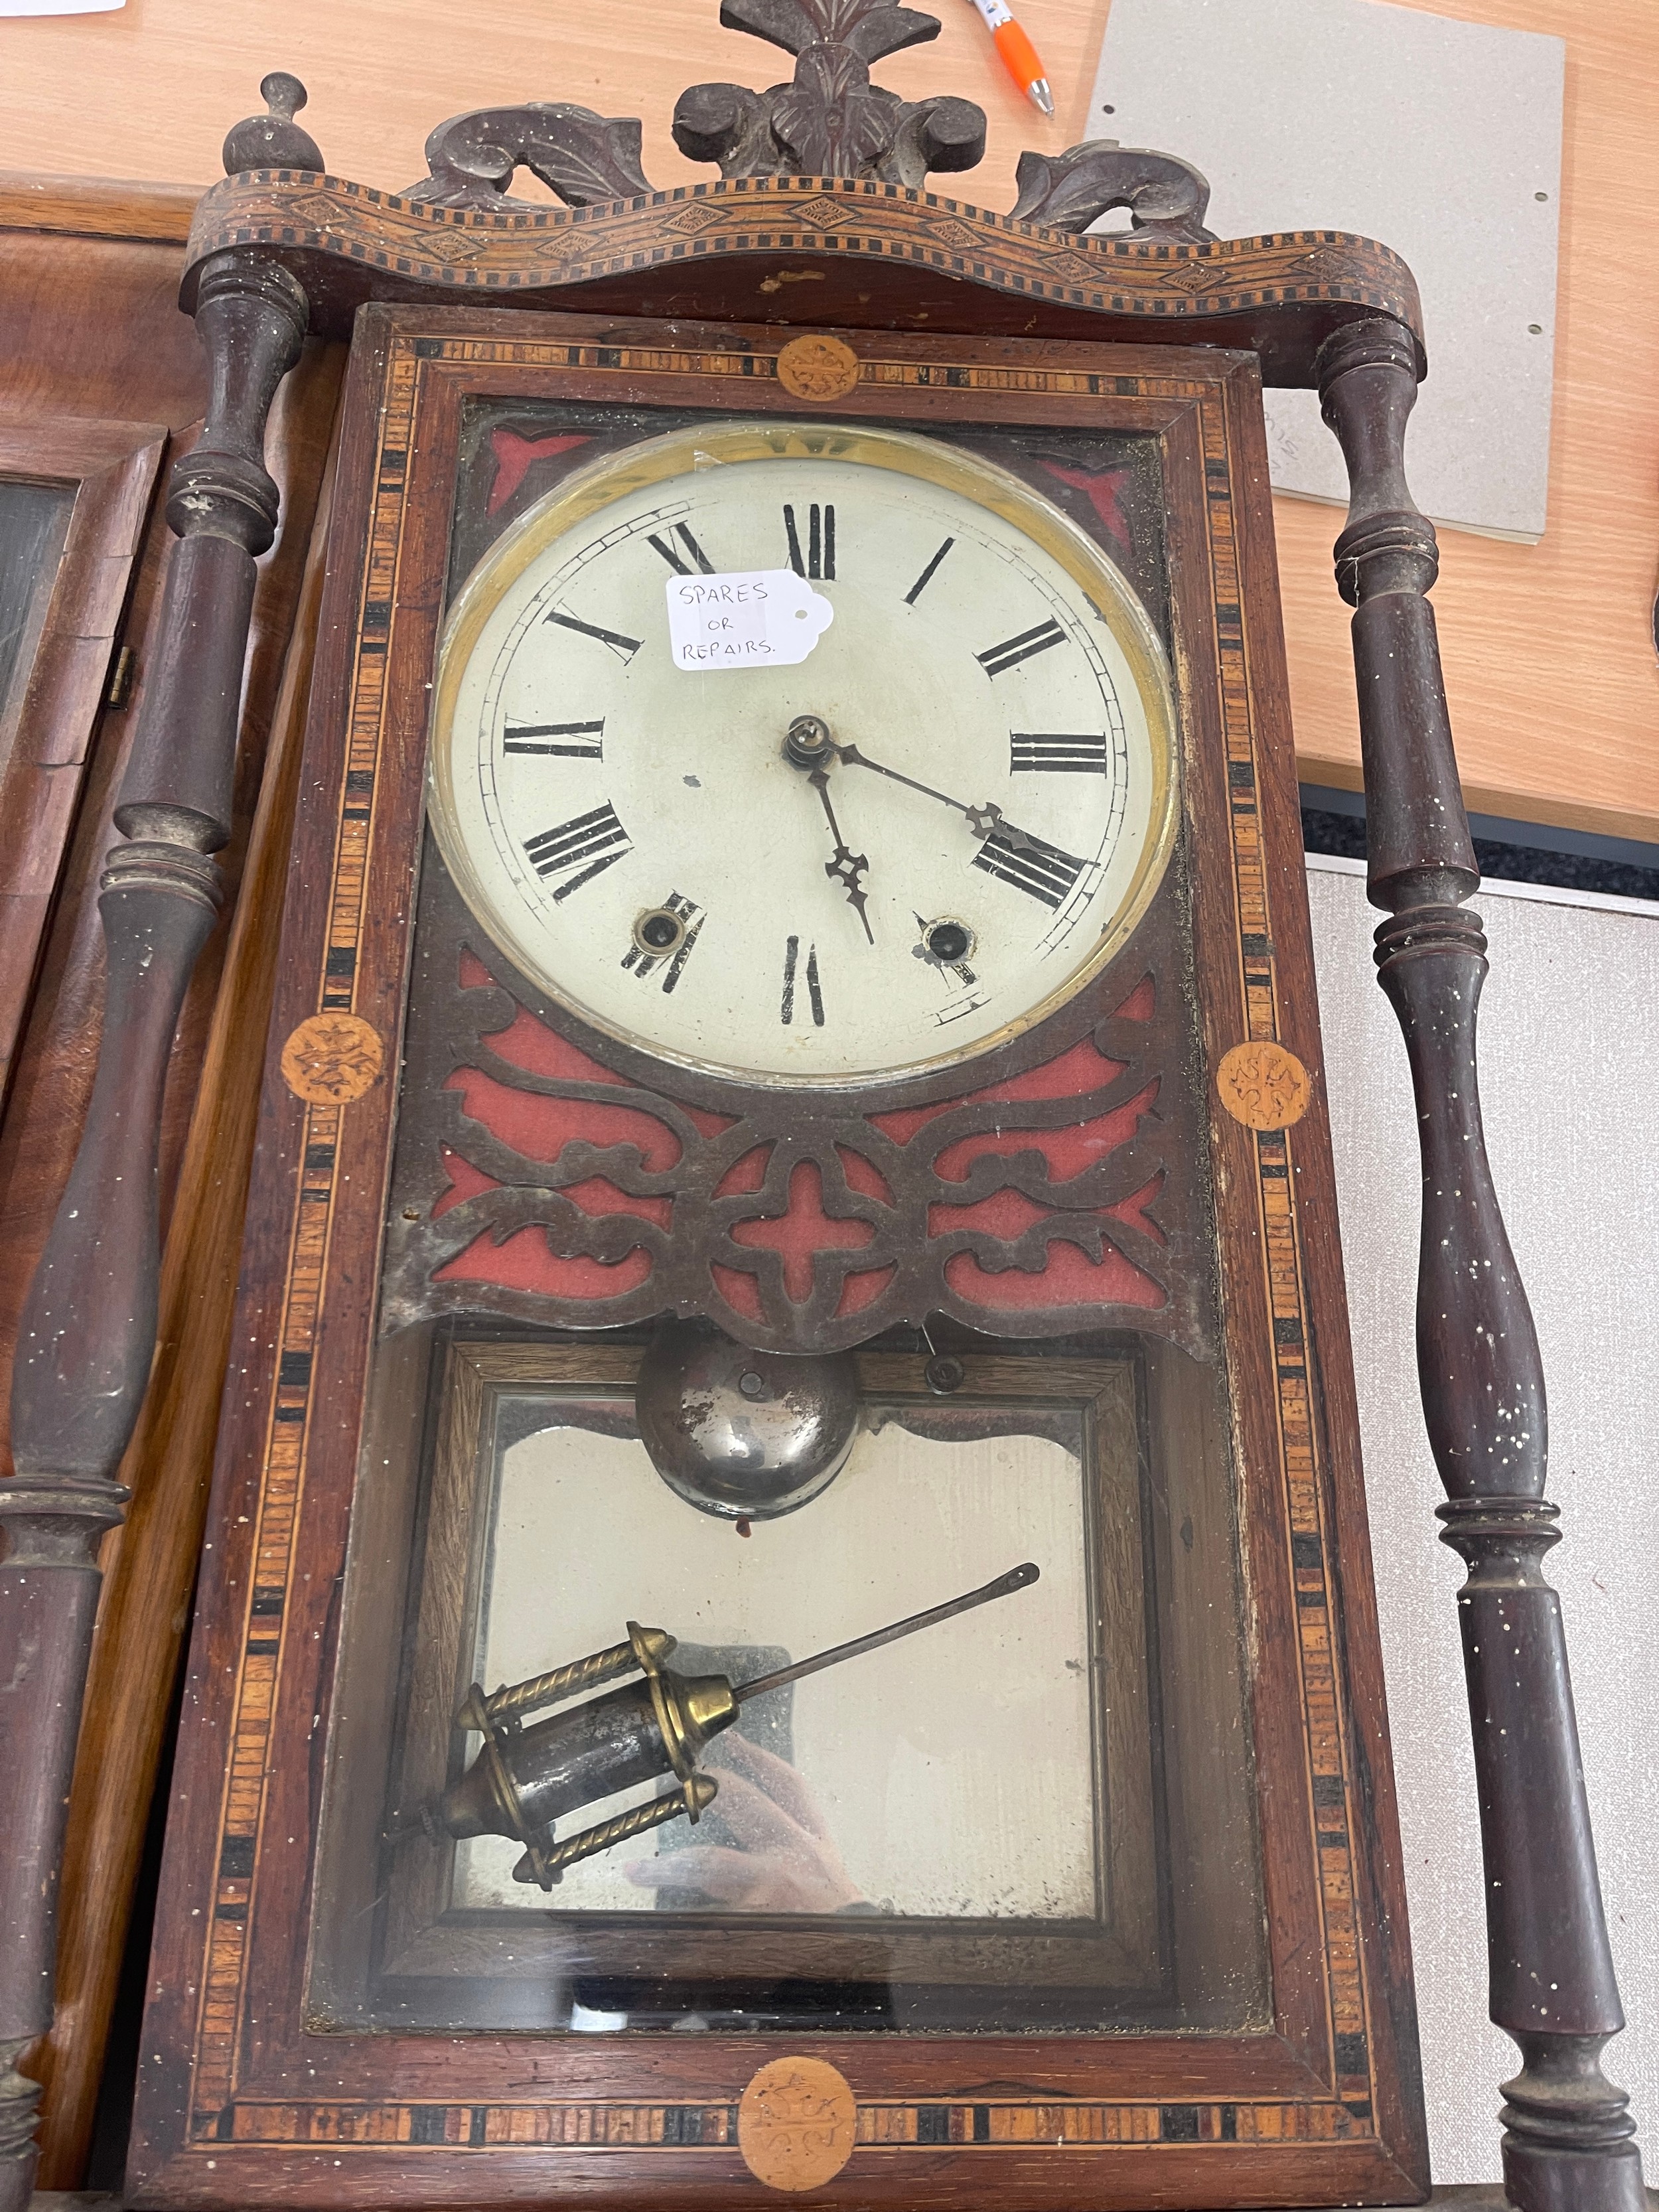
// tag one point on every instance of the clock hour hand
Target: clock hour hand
(810, 747)
(848, 868)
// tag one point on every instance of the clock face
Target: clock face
(801, 754)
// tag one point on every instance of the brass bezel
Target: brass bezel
(688, 452)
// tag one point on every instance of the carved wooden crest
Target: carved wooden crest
(830, 120)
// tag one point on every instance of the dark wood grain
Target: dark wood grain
(149, 1570)
(1333, 1413)
(885, 257)
(855, 157)
(46, 727)
(1458, 2197)
(1568, 2139)
(52, 1096)
(57, 1049)
(92, 330)
(146, 361)
(86, 1331)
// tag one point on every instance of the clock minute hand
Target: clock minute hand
(983, 821)
(847, 868)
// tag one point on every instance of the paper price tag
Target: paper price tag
(750, 618)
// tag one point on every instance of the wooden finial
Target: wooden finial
(273, 140)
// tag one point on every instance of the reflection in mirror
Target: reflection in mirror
(942, 1770)
(1035, 1814)
(34, 523)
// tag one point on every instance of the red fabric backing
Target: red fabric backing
(804, 1230)
(514, 455)
(540, 1128)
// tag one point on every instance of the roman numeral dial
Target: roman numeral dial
(557, 740)
(905, 791)
(589, 843)
(929, 574)
(802, 991)
(819, 559)
(624, 647)
(1029, 864)
(1043, 637)
(681, 551)
(1049, 753)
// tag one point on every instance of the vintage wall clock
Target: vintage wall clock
(787, 1608)
(835, 1109)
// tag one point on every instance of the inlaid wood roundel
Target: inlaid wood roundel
(331, 1059)
(818, 369)
(796, 2123)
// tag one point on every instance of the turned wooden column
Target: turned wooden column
(1567, 2142)
(87, 1332)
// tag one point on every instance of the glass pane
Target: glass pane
(1033, 1814)
(1037, 1815)
(34, 522)
(936, 1777)
(515, 453)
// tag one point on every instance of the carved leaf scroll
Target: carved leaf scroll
(587, 159)
(1165, 196)
(872, 28)
(830, 121)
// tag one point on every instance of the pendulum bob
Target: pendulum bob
(548, 1771)
(744, 1435)
(525, 1779)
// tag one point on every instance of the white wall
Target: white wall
(1569, 1072)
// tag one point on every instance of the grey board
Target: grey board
(1436, 137)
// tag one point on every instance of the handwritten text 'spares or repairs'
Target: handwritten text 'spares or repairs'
(752, 618)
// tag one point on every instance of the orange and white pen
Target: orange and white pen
(1020, 56)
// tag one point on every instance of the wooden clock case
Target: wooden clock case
(249, 2099)
(1316, 2102)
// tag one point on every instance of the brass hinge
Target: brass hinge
(122, 670)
